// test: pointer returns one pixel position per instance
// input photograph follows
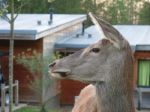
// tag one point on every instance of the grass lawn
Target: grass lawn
(35, 109)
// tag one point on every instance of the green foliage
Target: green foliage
(144, 14)
(35, 109)
(3, 7)
(88, 6)
(36, 6)
(67, 6)
(117, 12)
(28, 109)
(35, 61)
(38, 66)
(2, 11)
(31, 6)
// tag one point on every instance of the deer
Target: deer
(107, 64)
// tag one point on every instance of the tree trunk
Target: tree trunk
(11, 52)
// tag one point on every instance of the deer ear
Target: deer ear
(108, 30)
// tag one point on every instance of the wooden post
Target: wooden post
(16, 92)
(2, 97)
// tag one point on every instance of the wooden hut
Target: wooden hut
(36, 32)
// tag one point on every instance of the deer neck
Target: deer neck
(114, 98)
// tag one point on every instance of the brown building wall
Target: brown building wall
(20, 73)
(43, 45)
(69, 89)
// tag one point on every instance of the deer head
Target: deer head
(97, 62)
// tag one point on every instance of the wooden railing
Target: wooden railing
(5, 88)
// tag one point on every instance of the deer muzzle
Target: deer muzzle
(58, 73)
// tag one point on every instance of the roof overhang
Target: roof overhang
(131, 33)
(26, 27)
(142, 48)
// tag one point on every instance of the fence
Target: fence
(4, 88)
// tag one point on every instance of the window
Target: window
(144, 73)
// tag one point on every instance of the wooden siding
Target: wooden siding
(69, 89)
(20, 73)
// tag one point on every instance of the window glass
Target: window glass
(144, 73)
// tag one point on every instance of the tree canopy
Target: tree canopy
(115, 11)
(144, 14)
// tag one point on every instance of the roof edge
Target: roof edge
(60, 27)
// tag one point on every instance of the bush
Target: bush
(38, 66)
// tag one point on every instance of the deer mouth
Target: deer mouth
(60, 73)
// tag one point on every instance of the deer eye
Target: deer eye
(95, 50)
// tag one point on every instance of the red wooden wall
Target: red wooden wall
(20, 73)
(70, 89)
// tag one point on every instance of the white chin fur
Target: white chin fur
(56, 75)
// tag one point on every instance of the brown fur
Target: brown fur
(86, 102)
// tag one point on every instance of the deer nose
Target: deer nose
(52, 64)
